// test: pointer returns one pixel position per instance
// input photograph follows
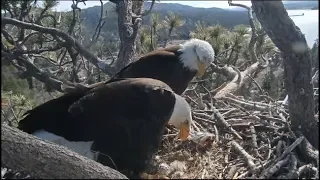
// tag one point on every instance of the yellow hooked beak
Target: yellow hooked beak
(201, 69)
(184, 131)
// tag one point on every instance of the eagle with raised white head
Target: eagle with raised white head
(175, 65)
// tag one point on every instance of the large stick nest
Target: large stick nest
(237, 139)
(233, 138)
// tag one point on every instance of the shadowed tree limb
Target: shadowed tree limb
(45, 160)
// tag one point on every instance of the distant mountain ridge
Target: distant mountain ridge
(293, 5)
(210, 16)
(297, 5)
(191, 15)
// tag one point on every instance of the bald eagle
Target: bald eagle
(174, 65)
(122, 120)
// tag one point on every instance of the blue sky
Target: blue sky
(66, 5)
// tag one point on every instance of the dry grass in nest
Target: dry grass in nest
(199, 162)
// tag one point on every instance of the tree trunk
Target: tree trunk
(128, 31)
(297, 65)
(168, 36)
(45, 160)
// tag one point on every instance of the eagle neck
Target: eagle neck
(188, 58)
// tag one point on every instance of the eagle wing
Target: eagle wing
(146, 65)
(127, 104)
(126, 119)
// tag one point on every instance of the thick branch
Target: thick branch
(227, 71)
(297, 65)
(45, 160)
(238, 83)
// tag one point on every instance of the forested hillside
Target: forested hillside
(191, 15)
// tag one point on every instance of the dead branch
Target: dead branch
(232, 172)
(45, 160)
(237, 84)
(227, 71)
(255, 82)
(249, 159)
(254, 140)
(69, 40)
(247, 104)
(292, 168)
(279, 161)
(224, 123)
(275, 168)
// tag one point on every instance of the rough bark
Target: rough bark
(42, 159)
(297, 65)
(314, 81)
(128, 30)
